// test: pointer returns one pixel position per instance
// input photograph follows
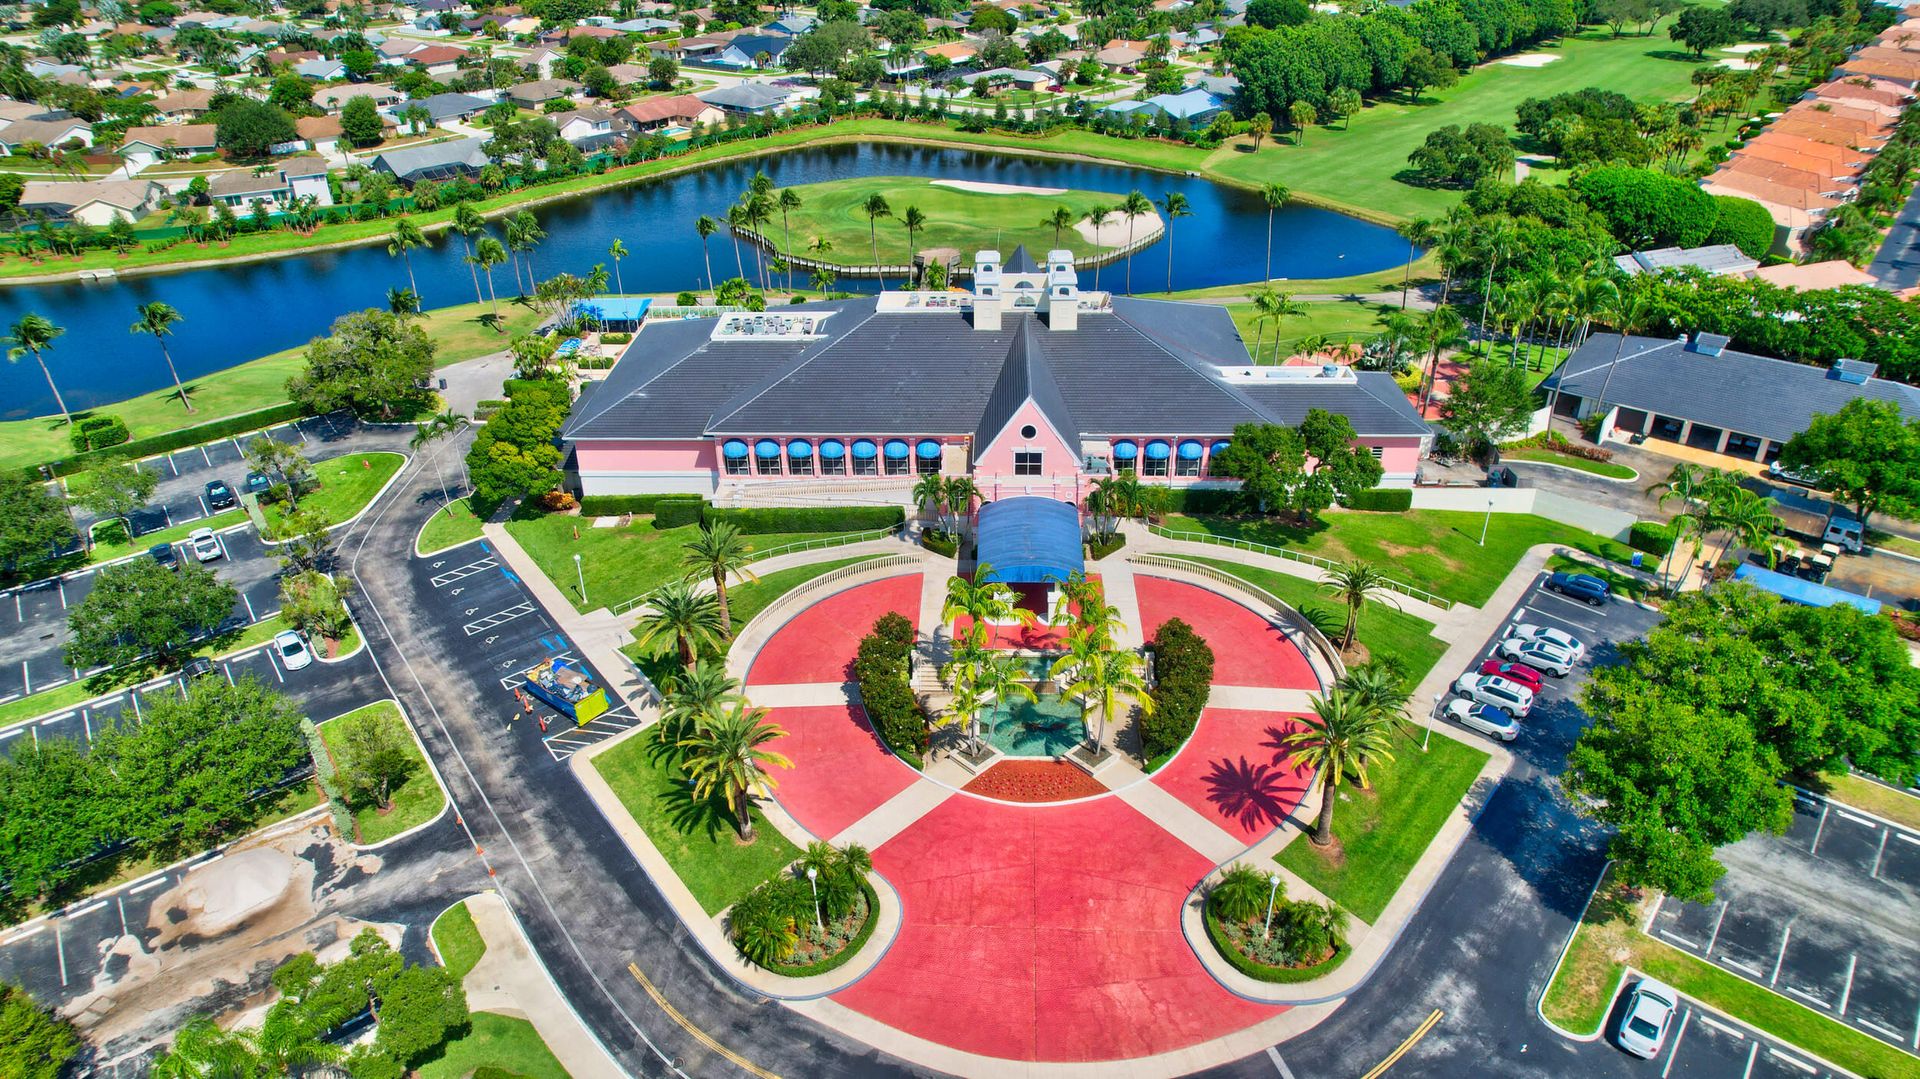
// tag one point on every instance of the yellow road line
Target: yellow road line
(1393, 1057)
(702, 1036)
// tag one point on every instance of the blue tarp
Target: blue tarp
(614, 308)
(1795, 590)
(1030, 540)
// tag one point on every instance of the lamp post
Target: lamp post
(581, 575)
(813, 879)
(1426, 735)
(1486, 523)
(1273, 896)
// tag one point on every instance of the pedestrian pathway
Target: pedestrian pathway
(507, 981)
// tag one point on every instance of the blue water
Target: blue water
(237, 313)
(1045, 728)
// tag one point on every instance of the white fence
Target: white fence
(1403, 588)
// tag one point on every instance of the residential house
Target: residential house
(394, 51)
(753, 51)
(1119, 58)
(322, 134)
(1725, 260)
(93, 202)
(533, 95)
(436, 59)
(589, 129)
(321, 70)
(956, 52)
(1814, 276)
(792, 24)
(335, 98)
(442, 108)
(144, 146)
(11, 111)
(540, 62)
(654, 113)
(71, 132)
(436, 161)
(646, 27)
(752, 97)
(181, 106)
(1195, 106)
(629, 74)
(1018, 78)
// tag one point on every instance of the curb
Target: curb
(446, 796)
(1540, 1003)
(1635, 478)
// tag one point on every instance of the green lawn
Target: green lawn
(1383, 630)
(1339, 320)
(1425, 268)
(247, 387)
(967, 220)
(347, 484)
(1568, 460)
(458, 940)
(416, 801)
(1437, 550)
(451, 526)
(696, 838)
(1358, 168)
(1897, 544)
(507, 1044)
(1622, 583)
(1897, 806)
(1383, 831)
(107, 552)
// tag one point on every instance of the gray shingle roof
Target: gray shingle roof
(745, 95)
(1020, 261)
(1753, 395)
(435, 158)
(1025, 375)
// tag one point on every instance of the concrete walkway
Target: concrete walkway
(509, 981)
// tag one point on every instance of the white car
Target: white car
(292, 650)
(1643, 1026)
(1487, 719)
(1540, 655)
(1495, 690)
(1559, 638)
(206, 545)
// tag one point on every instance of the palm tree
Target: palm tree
(1098, 217)
(32, 335)
(468, 223)
(1354, 583)
(1436, 330)
(706, 226)
(1175, 205)
(725, 757)
(1100, 674)
(1380, 684)
(679, 611)
(757, 212)
(403, 301)
(486, 255)
(441, 426)
(406, 237)
(876, 208)
(982, 601)
(530, 234)
(717, 551)
(1693, 485)
(1242, 894)
(961, 491)
(284, 1045)
(691, 699)
(1747, 519)
(1135, 205)
(737, 223)
(789, 201)
(1344, 736)
(1497, 239)
(930, 494)
(914, 221)
(1275, 196)
(1628, 312)
(1061, 218)
(157, 318)
(1273, 306)
(1000, 677)
(617, 251)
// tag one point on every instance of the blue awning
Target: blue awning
(928, 449)
(1220, 445)
(614, 308)
(896, 449)
(1795, 590)
(766, 447)
(833, 449)
(799, 447)
(865, 449)
(1158, 450)
(1125, 451)
(1029, 540)
(1190, 450)
(734, 449)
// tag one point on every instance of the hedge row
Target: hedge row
(1653, 537)
(881, 670)
(678, 512)
(1255, 969)
(1100, 547)
(808, 518)
(173, 440)
(940, 543)
(98, 433)
(1382, 500)
(1202, 500)
(1183, 675)
(615, 505)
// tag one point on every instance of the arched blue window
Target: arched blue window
(833, 457)
(766, 453)
(866, 455)
(800, 457)
(897, 452)
(734, 452)
(1157, 453)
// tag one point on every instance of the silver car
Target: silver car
(292, 650)
(1492, 689)
(1540, 655)
(1485, 718)
(1559, 638)
(1643, 1026)
(206, 546)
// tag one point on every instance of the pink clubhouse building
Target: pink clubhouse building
(1027, 384)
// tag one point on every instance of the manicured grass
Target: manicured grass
(107, 552)
(1383, 831)
(966, 220)
(458, 940)
(1623, 584)
(453, 525)
(347, 484)
(1897, 806)
(1568, 460)
(749, 599)
(247, 387)
(1425, 268)
(1896, 544)
(1608, 940)
(696, 838)
(501, 1042)
(1384, 631)
(1437, 550)
(1359, 167)
(620, 563)
(1340, 321)
(416, 801)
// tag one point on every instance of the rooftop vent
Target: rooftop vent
(1856, 372)
(747, 326)
(1709, 344)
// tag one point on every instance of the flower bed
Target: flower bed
(813, 954)
(1035, 781)
(1242, 945)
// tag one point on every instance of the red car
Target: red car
(1518, 672)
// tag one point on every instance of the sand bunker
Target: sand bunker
(1750, 46)
(1530, 59)
(1113, 231)
(980, 187)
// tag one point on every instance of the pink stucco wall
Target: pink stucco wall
(995, 460)
(1398, 456)
(647, 456)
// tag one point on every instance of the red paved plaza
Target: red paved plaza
(818, 645)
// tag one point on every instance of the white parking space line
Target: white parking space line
(204, 457)
(251, 617)
(60, 950)
(19, 612)
(1905, 838)
(149, 885)
(1819, 1002)
(135, 697)
(1678, 1036)
(1885, 1032)
(227, 669)
(1846, 991)
(1825, 808)
(1569, 602)
(1795, 1061)
(86, 909)
(121, 903)
(12, 732)
(1725, 905)
(56, 719)
(63, 594)
(1752, 1055)
(205, 510)
(1785, 936)
(1679, 939)
(460, 572)
(1860, 820)
(271, 662)
(1722, 1027)
(87, 722)
(1278, 1064)
(171, 465)
(26, 677)
(500, 617)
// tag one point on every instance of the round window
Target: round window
(1028, 431)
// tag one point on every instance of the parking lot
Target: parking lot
(1828, 915)
(1706, 1045)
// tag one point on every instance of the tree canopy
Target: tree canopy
(33, 522)
(373, 362)
(140, 608)
(1867, 452)
(1488, 404)
(1271, 463)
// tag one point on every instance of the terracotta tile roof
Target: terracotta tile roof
(179, 136)
(1765, 190)
(1783, 174)
(1777, 142)
(1814, 276)
(653, 110)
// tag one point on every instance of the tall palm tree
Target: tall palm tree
(706, 226)
(1380, 684)
(1273, 306)
(1497, 237)
(1001, 677)
(446, 424)
(157, 318)
(914, 220)
(961, 492)
(1061, 218)
(617, 251)
(1353, 584)
(1275, 195)
(406, 237)
(692, 698)
(1628, 312)
(930, 494)
(33, 335)
(789, 201)
(1341, 740)
(982, 601)
(679, 611)
(719, 550)
(725, 757)
(1418, 233)
(468, 223)
(1098, 217)
(876, 208)
(758, 214)
(1176, 207)
(737, 222)
(1693, 486)
(1100, 675)
(283, 1045)
(1436, 330)
(530, 234)
(1134, 206)
(1746, 519)
(487, 254)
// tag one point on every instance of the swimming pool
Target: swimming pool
(1047, 727)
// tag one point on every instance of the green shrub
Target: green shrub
(686, 299)
(98, 432)
(173, 440)
(1183, 673)
(1653, 537)
(615, 338)
(1743, 223)
(1382, 500)
(485, 409)
(1102, 546)
(940, 543)
(1202, 500)
(808, 518)
(880, 668)
(676, 512)
(614, 505)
